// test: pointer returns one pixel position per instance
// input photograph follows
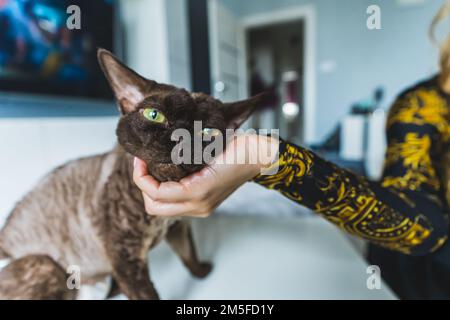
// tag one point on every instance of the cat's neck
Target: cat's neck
(124, 160)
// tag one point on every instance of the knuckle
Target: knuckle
(200, 196)
(203, 194)
(206, 194)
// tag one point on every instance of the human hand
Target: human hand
(200, 193)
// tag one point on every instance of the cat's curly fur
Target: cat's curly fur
(89, 213)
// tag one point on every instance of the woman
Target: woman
(404, 216)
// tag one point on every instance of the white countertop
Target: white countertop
(267, 258)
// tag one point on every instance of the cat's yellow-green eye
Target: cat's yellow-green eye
(211, 132)
(154, 115)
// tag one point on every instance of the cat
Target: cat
(89, 213)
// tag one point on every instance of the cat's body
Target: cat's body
(101, 206)
(73, 238)
(89, 213)
(83, 189)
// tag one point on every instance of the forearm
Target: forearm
(366, 209)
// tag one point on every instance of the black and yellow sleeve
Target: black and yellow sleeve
(404, 211)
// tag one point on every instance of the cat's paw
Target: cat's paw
(202, 270)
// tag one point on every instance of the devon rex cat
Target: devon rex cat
(89, 213)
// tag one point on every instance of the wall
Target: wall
(156, 34)
(40, 133)
(394, 57)
(31, 147)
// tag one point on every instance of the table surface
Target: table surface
(267, 258)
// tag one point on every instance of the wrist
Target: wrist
(265, 150)
(255, 153)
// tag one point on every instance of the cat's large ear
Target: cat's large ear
(127, 85)
(237, 112)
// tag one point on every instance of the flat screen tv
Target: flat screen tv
(40, 54)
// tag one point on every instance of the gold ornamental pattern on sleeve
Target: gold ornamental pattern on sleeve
(346, 201)
(356, 209)
(424, 106)
(293, 164)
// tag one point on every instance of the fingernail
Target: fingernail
(134, 161)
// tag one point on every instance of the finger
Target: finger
(202, 177)
(152, 187)
(172, 192)
(142, 179)
(189, 188)
(164, 192)
(156, 208)
(187, 209)
(140, 168)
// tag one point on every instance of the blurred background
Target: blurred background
(331, 81)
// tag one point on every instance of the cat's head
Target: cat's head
(152, 111)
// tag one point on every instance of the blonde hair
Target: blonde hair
(444, 46)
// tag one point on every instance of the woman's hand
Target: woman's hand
(200, 193)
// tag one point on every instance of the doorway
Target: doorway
(275, 57)
(233, 37)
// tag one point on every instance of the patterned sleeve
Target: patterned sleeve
(402, 212)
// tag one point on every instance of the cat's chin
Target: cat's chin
(171, 172)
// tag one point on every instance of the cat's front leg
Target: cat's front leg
(180, 239)
(131, 273)
(128, 256)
